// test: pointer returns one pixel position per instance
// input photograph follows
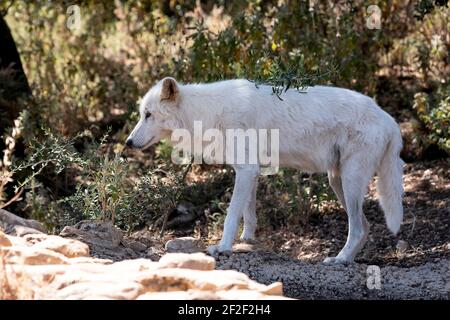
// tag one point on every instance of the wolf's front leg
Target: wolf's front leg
(246, 178)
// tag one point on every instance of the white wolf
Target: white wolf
(324, 129)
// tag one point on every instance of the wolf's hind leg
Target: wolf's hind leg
(356, 174)
(250, 220)
(336, 184)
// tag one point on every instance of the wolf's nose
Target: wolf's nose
(129, 142)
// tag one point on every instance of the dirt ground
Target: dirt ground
(415, 264)
(305, 280)
(424, 235)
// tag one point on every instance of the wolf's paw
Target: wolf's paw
(248, 239)
(247, 235)
(217, 250)
(336, 260)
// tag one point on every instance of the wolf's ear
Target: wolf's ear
(169, 90)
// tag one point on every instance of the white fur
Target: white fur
(324, 129)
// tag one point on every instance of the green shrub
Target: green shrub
(89, 80)
(434, 112)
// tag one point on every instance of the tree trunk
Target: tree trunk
(13, 81)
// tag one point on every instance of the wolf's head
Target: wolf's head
(157, 114)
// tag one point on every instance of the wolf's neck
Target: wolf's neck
(198, 105)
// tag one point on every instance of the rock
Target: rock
(402, 245)
(135, 245)
(143, 236)
(207, 295)
(275, 289)
(9, 221)
(22, 231)
(184, 244)
(40, 266)
(68, 247)
(153, 254)
(100, 290)
(33, 238)
(104, 239)
(31, 256)
(90, 260)
(17, 241)
(96, 233)
(175, 279)
(195, 261)
(244, 247)
(183, 215)
(245, 295)
(178, 295)
(4, 241)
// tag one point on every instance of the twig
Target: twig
(13, 199)
(413, 226)
(166, 218)
(186, 171)
(5, 11)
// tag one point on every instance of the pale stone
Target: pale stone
(4, 241)
(185, 245)
(104, 290)
(31, 256)
(22, 231)
(208, 295)
(197, 261)
(179, 295)
(33, 238)
(68, 247)
(274, 289)
(90, 260)
(246, 295)
(17, 241)
(41, 266)
(135, 265)
(183, 279)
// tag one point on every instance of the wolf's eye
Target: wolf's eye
(148, 115)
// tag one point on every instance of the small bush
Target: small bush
(434, 112)
(89, 80)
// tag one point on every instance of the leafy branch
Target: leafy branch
(281, 77)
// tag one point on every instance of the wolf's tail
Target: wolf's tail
(390, 183)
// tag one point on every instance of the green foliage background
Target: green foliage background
(87, 82)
